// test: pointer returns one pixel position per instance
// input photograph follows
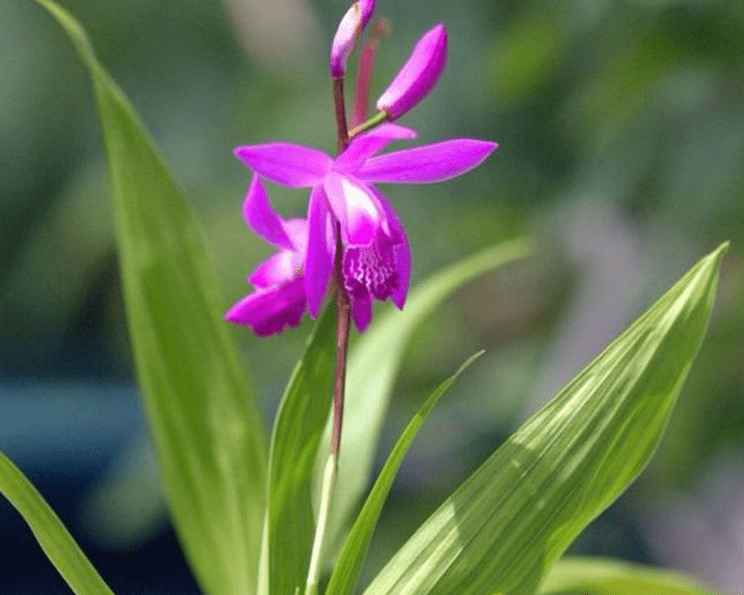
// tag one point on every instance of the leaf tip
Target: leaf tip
(723, 248)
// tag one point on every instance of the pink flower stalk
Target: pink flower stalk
(279, 299)
(380, 29)
(418, 76)
(349, 29)
(376, 260)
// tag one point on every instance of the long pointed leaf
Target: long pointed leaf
(512, 519)
(207, 430)
(298, 430)
(373, 366)
(346, 571)
(53, 537)
(601, 576)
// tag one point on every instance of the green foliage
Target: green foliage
(513, 518)
(207, 430)
(373, 365)
(346, 571)
(588, 576)
(53, 537)
(297, 433)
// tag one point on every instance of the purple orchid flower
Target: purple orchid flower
(376, 261)
(279, 300)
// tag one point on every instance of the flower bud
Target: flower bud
(349, 29)
(418, 76)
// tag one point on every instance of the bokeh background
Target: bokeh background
(621, 131)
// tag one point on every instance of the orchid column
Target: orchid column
(352, 234)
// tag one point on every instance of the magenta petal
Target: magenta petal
(429, 163)
(351, 25)
(320, 248)
(283, 266)
(353, 206)
(402, 252)
(262, 219)
(366, 145)
(418, 76)
(270, 311)
(361, 312)
(296, 230)
(286, 164)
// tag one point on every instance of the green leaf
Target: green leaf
(298, 430)
(207, 429)
(598, 576)
(53, 537)
(512, 519)
(373, 366)
(346, 571)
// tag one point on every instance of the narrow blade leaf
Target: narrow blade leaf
(512, 519)
(346, 572)
(53, 537)
(207, 429)
(373, 366)
(597, 576)
(298, 430)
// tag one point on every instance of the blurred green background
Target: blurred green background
(621, 131)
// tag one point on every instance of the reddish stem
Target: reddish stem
(342, 128)
(343, 303)
(343, 325)
(380, 29)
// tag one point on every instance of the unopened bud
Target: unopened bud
(349, 29)
(418, 76)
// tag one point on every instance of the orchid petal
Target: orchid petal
(365, 145)
(283, 266)
(353, 206)
(401, 250)
(320, 246)
(270, 311)
(260, 217)
(296, 230)
(351, 25)
(361, 312)
(429, 163)
(286, 163)
(419, 74)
